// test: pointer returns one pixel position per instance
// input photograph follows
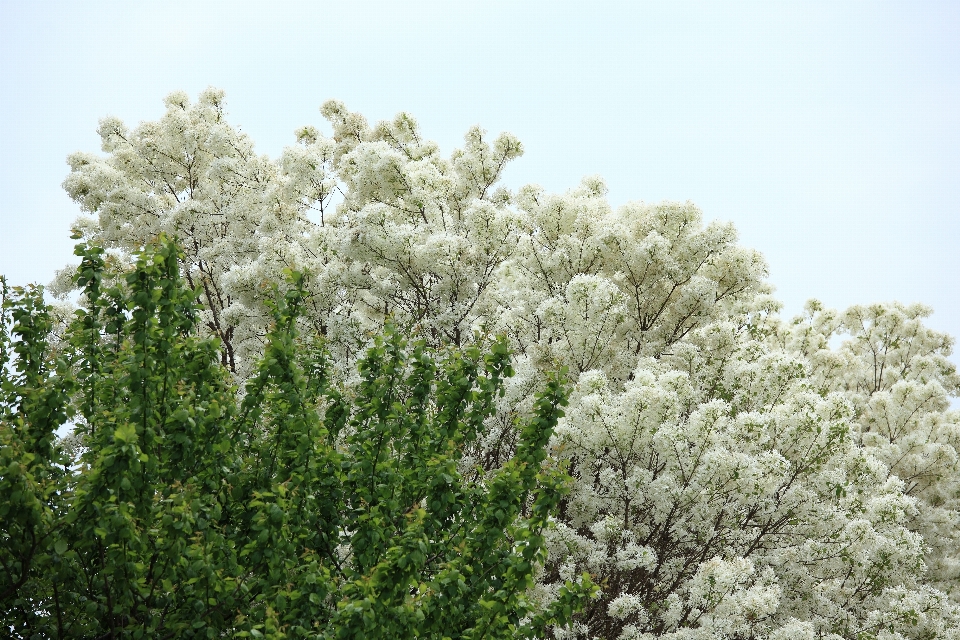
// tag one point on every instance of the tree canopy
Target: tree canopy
(736, 474)
(295, 512)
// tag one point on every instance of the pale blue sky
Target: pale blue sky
(828, 132)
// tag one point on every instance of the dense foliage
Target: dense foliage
(300, 511)
(736, 474)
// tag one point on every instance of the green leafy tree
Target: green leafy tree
(306, 509)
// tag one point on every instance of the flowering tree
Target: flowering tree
(736, 476)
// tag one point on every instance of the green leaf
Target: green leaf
(125, 433)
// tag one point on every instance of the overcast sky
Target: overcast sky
(828, 132)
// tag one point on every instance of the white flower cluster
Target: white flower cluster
(735, 475)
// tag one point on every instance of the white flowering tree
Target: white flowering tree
(195, 177)
(735, 475)
(894, 373)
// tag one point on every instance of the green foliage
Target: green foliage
(308, 509)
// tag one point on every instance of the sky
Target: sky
(827, 132)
